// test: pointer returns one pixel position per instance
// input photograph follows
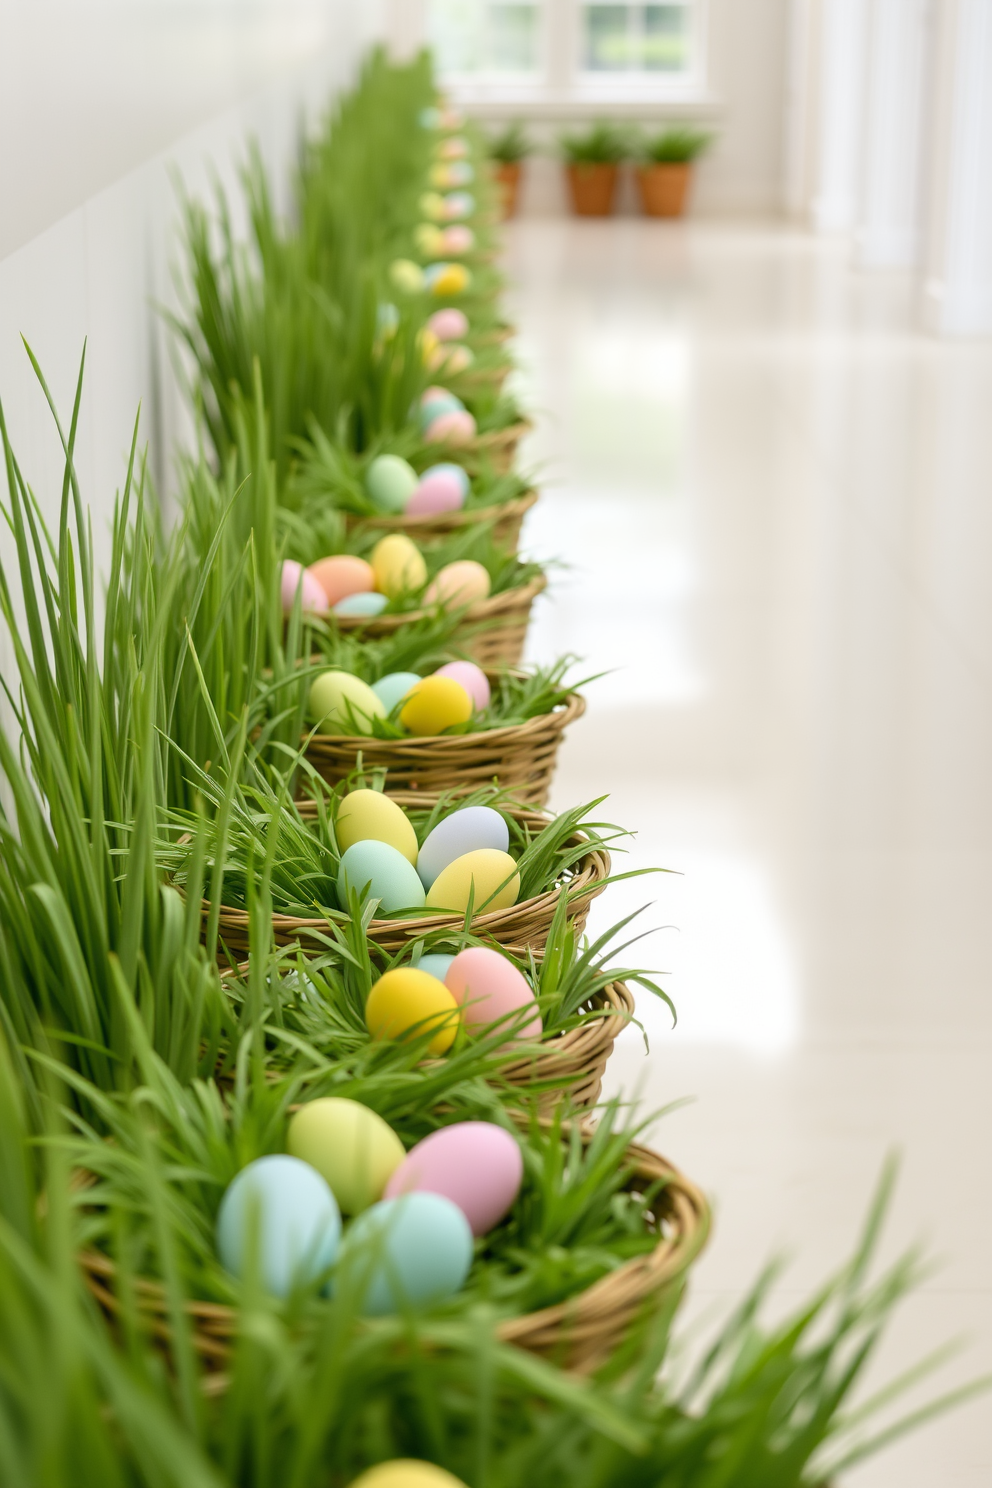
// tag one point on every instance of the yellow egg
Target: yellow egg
(430, 347)
(405, 1472)
(463, 582)
(434, 704)
(429, 239)
(398, 566)
(368, 815)
(455, 280)
(405, 999)
(341, 703)
(349, 1145)
(477, 875)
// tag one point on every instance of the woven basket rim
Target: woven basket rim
(583, 1043)
(496, 511)
(590, 1315)
(484, 609)
(555, 720)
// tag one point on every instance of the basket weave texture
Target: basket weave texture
(498, 448)
(522, 927)
(521, 758)
(491, 633)
(579, 1334)
(507, 520)
(576, 1060)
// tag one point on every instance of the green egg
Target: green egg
(390, 482)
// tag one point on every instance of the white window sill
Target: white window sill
(500, 101)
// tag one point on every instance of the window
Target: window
(569, 48)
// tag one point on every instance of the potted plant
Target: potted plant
(665, 169)
(508, 151)
(591, 164)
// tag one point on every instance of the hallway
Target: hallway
(799, 723)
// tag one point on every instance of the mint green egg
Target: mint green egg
(394, 687)
(389, 876)
(390, 482)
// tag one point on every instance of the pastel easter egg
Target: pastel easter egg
(394, 687)
(375, 870)
(407, 275)
(461, 583)
(407, 1472)
(458, 204)
(440, 177)
(387, 320)
(472, 678)
(445, 394)
(444, 279)
(313, 600)
(390, 481)
(455, 148)
(436, 704)
(457, 359)
(459, 833)
(436, 408)
(361, 606)
(430, 348)
(451, 428)
(432, 206)
(351, 1147)
(489, 988)
(285, 1208)
(489, 878)
(439, 491)
(429, 118)
(451, 119)
(367, 816)
(407, 1000)
(429, 239)
(398, 565)
(456, 239)
(449, 324)
(407, 1252)
(475, 1164)
(341, 703)
(436, 963)
(342, 575)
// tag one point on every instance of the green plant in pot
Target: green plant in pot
(508, 150)
(664, 170)
(592, 163)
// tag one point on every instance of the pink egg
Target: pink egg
(458, 239)
(429, 394)
(312, 598)
(489, 987)
(449, 325)
(476, 1165)
(441, 492)
(472, 678)
(451, 428)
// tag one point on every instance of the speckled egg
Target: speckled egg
(390, 481)
(367, 816)
(377, 871)
(475, 1164)
(489, 988)
(407, 1252)
(297, 1218)
(313, 600)
(461, 583)
(471, 677)
(487, 877)
(343, 704)
(449, 324)
(351, 1147)
(392, 688)
(398, 565)
(408, 1000)
(459, 833)
(342, 575)
(436, 704)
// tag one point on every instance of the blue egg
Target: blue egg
(394, 686)
(407, 1252)
(454, 471)
(460, 203)
(435, 964)
(361, 604)
(438, 403)
(462, 832)
(390, 877)
(297, 1218)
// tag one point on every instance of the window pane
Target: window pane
(483, 36)
(607, 38)
(666, 39)
(635, 38)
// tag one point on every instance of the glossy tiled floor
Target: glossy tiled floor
(775, 499)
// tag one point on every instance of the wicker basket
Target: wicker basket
(491, 633)
(523, 926)
(497, 448)
(506, 526)
(578, 1056)
(579, 1334)
(521, 758)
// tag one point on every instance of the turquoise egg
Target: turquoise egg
(407, 1252)
(297, 1218)
(391, 688)
(361, 604)
(435, 964)
(390, 877)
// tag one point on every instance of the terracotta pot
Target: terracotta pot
(508, 184)
(663, 189)
(592, 188)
